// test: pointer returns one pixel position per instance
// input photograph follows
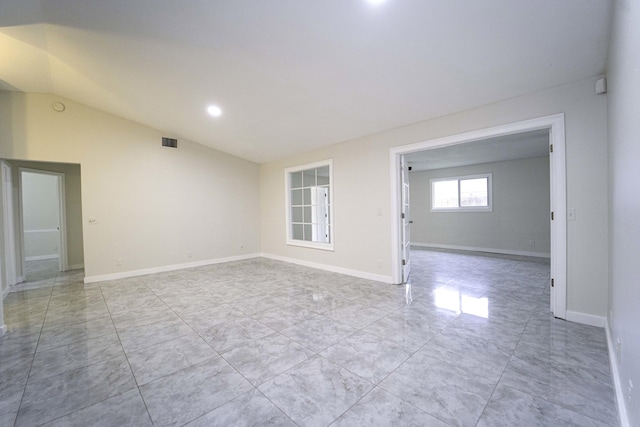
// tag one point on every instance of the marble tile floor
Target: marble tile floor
(468, 342)
(45, 273)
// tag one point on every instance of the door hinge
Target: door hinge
(404, 262)
(402, 215)
(551, 216)
(552, 283)
(551, 148)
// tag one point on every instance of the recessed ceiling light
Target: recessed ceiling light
(376, 2)
(214, 110)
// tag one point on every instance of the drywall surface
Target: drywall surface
(361, 188)
(153, 206)
(518, 221)
(624, 199)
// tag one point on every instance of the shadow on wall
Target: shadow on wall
(12, 131)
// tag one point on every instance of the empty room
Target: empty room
(344, 212)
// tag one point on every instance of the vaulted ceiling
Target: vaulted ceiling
(295, 75)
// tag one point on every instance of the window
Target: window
(309, 206)
(462, 193)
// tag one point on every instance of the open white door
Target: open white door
(10, 273)
(406, 221)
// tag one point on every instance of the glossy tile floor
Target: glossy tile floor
(40, 273)
(469, 342)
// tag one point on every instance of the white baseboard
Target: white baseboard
(615, 373)
(3, 330)
(586, 319)
(488, 250)
(41, 257)
(331, 268)
(76, 266)
(163, 269)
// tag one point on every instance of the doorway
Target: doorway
(557, 178)
(43, 224)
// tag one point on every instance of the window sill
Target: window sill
(311, 245)
(489, 209)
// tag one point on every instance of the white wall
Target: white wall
(624, 198)
(41, 215)
(520, 211)
(361, 186)
(152, 205)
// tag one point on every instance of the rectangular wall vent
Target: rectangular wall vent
(169, 142)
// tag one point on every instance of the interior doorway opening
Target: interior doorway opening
(43, 224)
(554, 125)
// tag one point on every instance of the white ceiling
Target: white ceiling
(509, 147)
(293, 75)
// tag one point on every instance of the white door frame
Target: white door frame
(62, 249)
(405, 219)
(9, 229)
(558, 195)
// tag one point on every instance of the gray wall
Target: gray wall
(520, 210)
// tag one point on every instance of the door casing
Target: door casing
(62, 250)
(558, 194)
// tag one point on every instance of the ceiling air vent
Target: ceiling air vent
(169, 142)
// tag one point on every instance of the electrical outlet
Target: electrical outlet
(379, 211)
(241, 247)
(189, 254)
(532, 243)
(118, 261)
(571, 214)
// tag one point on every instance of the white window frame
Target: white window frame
(488, 208)
(289, 229)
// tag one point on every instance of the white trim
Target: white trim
(10, 273)
(41, 257)
(3, 330)
(331, 268)
(287, 200)
(586, 319)
(488, 250)
(558, 202)
(135, 273)
(615, 373)
(44, 230)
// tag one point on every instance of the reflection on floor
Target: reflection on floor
(469, 342)
(43, 269)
